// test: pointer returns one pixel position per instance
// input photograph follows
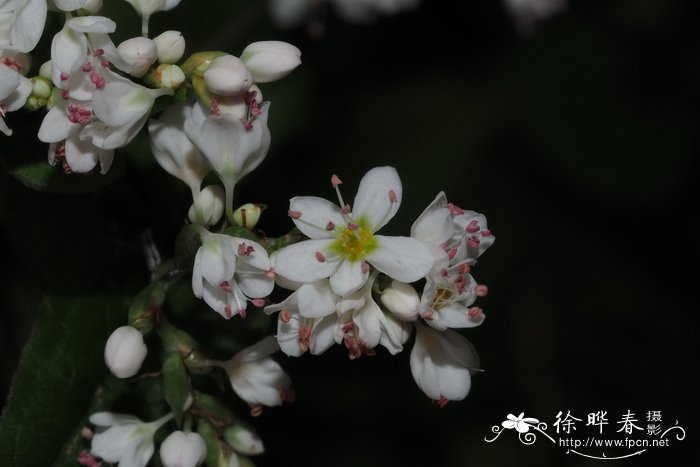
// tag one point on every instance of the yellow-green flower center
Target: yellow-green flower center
(354, 242)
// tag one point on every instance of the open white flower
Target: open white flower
(442, 364)
(343, 243)
(229, 271)
(257, 378)
(14, 90)
(124, 438)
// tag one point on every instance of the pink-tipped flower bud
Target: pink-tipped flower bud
(402, 300)
(140, 53)
(270, 60)
(227, 76)
(170, 46)
(125, 352)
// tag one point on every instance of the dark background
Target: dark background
(577, 142)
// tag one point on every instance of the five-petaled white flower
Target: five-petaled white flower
(343, 243)
(520, 423)
(228, 271)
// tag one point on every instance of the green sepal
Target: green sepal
(176, 384)
(241, 232)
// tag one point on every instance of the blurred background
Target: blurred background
(578, 142)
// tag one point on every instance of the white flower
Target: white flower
(145, 8)
(14, 90)
(232, 147)
(174, 151)
(521, 423)
(21, 24)
(343, 243)
(442, 364)
(297, 334)
(270, 60)
(124, 438)
(125, 352)
(229, 271)
(257, 378)
(183, 450)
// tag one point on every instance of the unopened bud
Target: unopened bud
(125, 352)
(402, 300)
(166, 76)
(140, 53)
(35, 103)
(45, 70)
(227, 76)
(244, 439)
(270, 60)
(91, 7)
(41, 87)
(183, 450)
(247, 216)
(170, 46)
(208, 207)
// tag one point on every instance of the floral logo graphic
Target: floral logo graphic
(522, 425)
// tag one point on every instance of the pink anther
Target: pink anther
(258, 302)
(330, 226)
(285, 316)
(456, 210)
(225, 286)
(392, 197)
(481, 290)
(64, 76)
(352, 226)
(473, 242)
(294, 214)
(473, 227)
(335, 181)
(346, 209)
(320, 257)
(475, 312)
(364, 267)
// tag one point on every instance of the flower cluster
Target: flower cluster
(352, 286)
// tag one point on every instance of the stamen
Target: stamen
(330, 226)
(456, 210)
(242, 313)
(98, 53)
(97, 80)
(473, 227)
(64, 76)
(87, 68)
(392, 197)
(347, 327)
(352, 226)
(444, 272)
(258, 302)
(285, 316)
(104, 63)
(452, 253)
(65, 94)
(475, 312)
(481, 290)
(288, 395)
(473, 242)
(245, 250)
(86, 433)
(214, 107)
(427, 315)
(294, 214)
(271, 273)
(486, 233)
(256, 410)
(346, 209)
(335, 181)
(364, 267)
(442, 402)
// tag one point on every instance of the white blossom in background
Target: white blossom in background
(289, 13)
(270, 60)
(125, 351)
(21, 24)
(124, 438)
(343, 243)
(228, 272)
(183, 450)
(526, 13)
(442, 364)
(14, 90)
(256, 378)
(145, 8)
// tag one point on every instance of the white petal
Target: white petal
(373, 201)
(316, 215)
(298, 262)
(253, 282)
(9, 80)
(81, 156)
(368, 322)
(112, 418)
(402, 258)
(68, 53)
(322, 336)
(28, 25)
(316, 299)
(98, 24)
(348, 277)
(435, 224)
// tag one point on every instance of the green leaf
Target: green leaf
(60, 369)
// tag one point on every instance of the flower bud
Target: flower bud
(270, 60)
(45, 69)
(227, 76)
(244, 439)
(247, 216)
(208, 207)
(170, 46)
(166, 76)
(91, 7)
(125, 352)
(140, 53)
(402, 300)
(41, 87)
(183, 450)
